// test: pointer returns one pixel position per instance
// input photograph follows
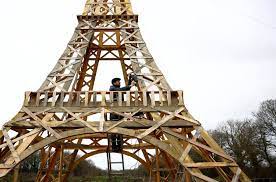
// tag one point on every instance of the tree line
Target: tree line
(252, 141)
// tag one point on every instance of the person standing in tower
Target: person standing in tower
(116, 86)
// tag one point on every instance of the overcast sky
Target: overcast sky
(221, 53)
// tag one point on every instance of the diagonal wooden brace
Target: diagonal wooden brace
(160, 123)
(42, 122)
(11, 146)
(122, 120)
(81, 120)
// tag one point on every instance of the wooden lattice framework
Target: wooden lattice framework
(61, 115)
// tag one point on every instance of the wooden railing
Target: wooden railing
(104, 99)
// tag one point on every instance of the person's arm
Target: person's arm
(126, 88)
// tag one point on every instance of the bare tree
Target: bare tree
(265, 144)
(266, 117)
(239, 139)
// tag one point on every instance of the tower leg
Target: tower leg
(51, 165)
(157, 179)
(16, 174)
(60, 164)
(71, 162)
(187, 177)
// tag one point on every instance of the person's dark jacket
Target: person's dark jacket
(115, 88)
(115, 117)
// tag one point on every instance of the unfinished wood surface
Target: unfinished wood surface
(66, 116)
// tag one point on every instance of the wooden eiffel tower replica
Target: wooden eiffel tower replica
(66, 121)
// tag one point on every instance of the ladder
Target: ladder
(110, 161)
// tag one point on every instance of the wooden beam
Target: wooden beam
(136, 124)
(159, 123)
(210, 164)
(81, 120)
(11, 146)
(237, 175)
(39, 121)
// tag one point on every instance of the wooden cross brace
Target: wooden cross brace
(42, 122)
(160, 123)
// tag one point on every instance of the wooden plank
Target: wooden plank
(60, 123)
(189, 119)
(81, 120)
(188, 148)
(122, 108)
(37, 100)
(136, 103)
(180, 98)
(6, 166)
(169, 98)
(24, 118)
(128, 98)
(152, 99)
(22, 137)
(145, 98)
(73, 123)
(61, 98)
(159, 123)
(51, 164)
(120, 99)
(154, 83)
(74, 99)
(61, 161)
(102, 120)
(94, 98)
(101, 147)
(86, 99)
(186, 152)
(202, 177)
(27, 98)
(70, 98)
(161, 98)
(54, 99)
(25, 144)
(210, 164)
(45, 100)
(116, 124)
(121, 121)
(78, 99)
(198, 144)
(237, 175)
(103, 101)
(11, 147)
(111, 98)
(38, 120)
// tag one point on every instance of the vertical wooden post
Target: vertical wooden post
(60, 164)
(157, 178)
(51, 165)
(16, 174)
(187, 176)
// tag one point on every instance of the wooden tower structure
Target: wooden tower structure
(66, 117)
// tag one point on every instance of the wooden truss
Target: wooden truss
(66, 117)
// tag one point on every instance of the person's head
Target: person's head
(116, 82)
